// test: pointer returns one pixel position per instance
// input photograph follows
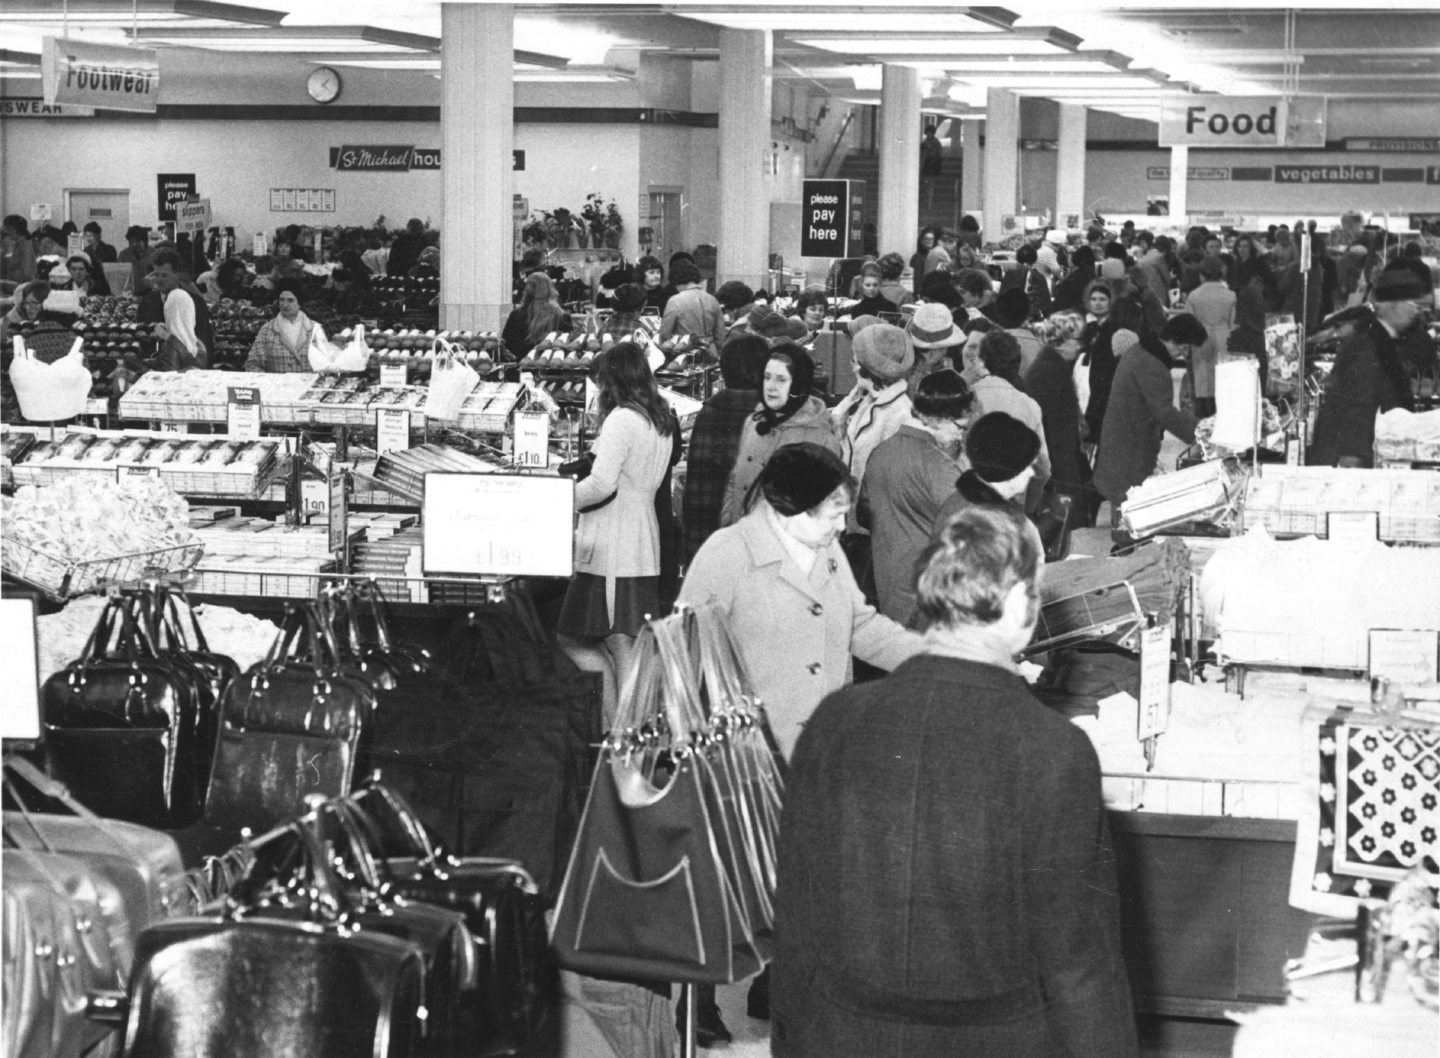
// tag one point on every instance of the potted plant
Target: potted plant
(564, 229)
(603, 219)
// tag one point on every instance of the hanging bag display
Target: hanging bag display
(123, 726)
(503, 910)
(451, 381)
(290, 726)
(668, 880)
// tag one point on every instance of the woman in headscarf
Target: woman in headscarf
(283, 344)
(787, 414)
(538, 314)
(180, 349)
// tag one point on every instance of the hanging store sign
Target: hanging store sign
(38, 108)
(171, 190)
(1402, 144)
(831, 218)
(359, 158)
(99, 75)
(192, 217)
(1242, 121)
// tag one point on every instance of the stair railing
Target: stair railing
(835, 144)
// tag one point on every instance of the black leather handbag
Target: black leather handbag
(290, 726)
(124, 724)
(503, 910)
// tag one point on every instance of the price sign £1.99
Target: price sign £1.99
(242, 413)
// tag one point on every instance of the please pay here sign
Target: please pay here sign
(831, 218)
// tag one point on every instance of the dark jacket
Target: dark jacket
(714, 444)
(1069, 293)
(1368, 377)
(1140, 410)
(1095, 341)
(869, 307)
(946, 880)
(1051, 383)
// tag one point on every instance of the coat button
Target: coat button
(814, 668)
(816, 609)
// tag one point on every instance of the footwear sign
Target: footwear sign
(99, 75)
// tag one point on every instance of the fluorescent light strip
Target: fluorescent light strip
(867, 18)
(933, 49)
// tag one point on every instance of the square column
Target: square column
(477, 135)
(1070, 162)
(898, 196)
(1179, 180)
(1002, 159)
(743, 252)
(972, 168)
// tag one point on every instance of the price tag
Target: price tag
(1154, 716)
(392, 429)
(1407, 656)
(134, 470)
(19, 696)
(242, 413)
(173, 427)
(519, 525)
(338, 513)
(392, 375)
(315, 496)
(1353, 525)
(74, 244)
(532, 439)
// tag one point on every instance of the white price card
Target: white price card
(1154, 715)
(392, 375)
(174, 427)
(1353, 525)
(532, 440)
(392, 430)
(1407, 656)
(242, 413)
(498, 524)
(338, 513)
(20, 690)
(134, 470)
(315, 497)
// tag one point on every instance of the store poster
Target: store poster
(1282, 357)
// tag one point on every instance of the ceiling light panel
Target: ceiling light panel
(868, 18)
(922, 49)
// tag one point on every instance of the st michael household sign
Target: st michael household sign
(99, 75)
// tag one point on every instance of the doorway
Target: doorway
(107, 207)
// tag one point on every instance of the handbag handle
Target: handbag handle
(291, 867)
(395, 817)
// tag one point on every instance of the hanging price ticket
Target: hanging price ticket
(242, 413)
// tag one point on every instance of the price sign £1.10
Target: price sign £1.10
(242, 413)
(532, 440)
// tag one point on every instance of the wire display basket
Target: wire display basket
(61, 578)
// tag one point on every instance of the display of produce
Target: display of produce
(413, 345)
(87, 532)
(197, 466)
(235, 324)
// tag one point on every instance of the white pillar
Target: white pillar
(1070, 162)
(1002, 158)
(743, 252)
(477, 133)
(972, 169)
(1179, 180)
(897, 199)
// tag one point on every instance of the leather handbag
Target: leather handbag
(503, 909)
(661, 884)
(123, 727)
(290, 726)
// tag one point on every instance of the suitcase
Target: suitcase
(141, 863)
(57, 949)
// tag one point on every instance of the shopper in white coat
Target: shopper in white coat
(617, 538)
(1213, 304)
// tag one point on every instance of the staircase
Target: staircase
(939, 195)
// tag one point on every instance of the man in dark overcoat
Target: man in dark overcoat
(946, 881)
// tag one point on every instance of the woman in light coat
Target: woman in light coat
(617, 539)
(787, 414)
(782, 582)
(1213, 304)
